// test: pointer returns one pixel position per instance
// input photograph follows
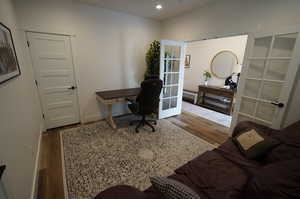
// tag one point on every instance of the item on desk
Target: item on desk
(227, 87)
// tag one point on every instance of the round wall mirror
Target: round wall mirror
(223, 63)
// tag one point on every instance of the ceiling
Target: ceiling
(146, 8)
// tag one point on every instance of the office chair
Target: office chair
(146, 103)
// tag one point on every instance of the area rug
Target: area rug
(97, 157)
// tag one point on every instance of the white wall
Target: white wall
(231, 17)
(20, 117)
(202, 52)
(109, 47)
(235, 17)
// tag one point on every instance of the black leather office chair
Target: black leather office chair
(146, 103)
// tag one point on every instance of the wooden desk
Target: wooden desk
(111, 97)
(219, 99)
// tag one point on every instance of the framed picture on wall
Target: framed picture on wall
(187, 61)
(9, 66)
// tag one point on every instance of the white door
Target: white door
(54, 72)
(172, 55)
(271, 64)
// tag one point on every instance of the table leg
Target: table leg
(109, 118)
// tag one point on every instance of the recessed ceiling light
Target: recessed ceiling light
(158, 6)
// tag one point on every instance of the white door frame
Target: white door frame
(290, 78)
(177, 110)
(74, 64)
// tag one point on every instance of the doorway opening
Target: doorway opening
(212, 70)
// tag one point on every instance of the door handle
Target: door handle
(72, 88)
(279, 104)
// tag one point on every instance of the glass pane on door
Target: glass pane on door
(247, 106)
(166, 104)
(169, 79)
(167, 92)
(175, 64)
(174, 102)
(277, 69)
(174, 91)
(262, 46)
(175, 78)
(256, 68)
(271, 91)
(251, 88)
(172, 52)
(284, 45)
(265, 111)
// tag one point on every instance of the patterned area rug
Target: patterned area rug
(97, 157)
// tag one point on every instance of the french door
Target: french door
(271, 64)
(54, 73)
(172, 55)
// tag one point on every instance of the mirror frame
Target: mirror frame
(228, 51)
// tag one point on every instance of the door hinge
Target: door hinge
(28, 43)
(43, 116)
(36, 83)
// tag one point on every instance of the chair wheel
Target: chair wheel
(155, 123)
(136, 130)
(153, 130)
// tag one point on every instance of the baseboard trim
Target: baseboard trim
(35, 183)
(66, 193)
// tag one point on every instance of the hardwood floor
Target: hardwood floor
(51, 185)
(51, 175)
(209, 131)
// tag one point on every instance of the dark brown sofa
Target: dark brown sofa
(224, 173)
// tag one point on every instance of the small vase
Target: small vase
(205, 83)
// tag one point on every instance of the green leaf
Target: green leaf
(153, 59)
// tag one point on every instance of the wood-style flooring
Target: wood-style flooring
(51, 185)
(209, 131)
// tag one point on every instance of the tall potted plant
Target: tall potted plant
(153, 60)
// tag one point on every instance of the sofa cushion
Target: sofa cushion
(253, 144)
(214, 176)
(172, 189)
(281, 153)
(278, 180)
(291, 135)
(122, 192)
(289, 147)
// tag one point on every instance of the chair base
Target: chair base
(143, 122)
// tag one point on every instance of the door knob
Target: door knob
(279, 104)
(72, 88)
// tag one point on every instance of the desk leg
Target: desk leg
(109, 118)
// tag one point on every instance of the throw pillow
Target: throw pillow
(254, 144)
(172, 189)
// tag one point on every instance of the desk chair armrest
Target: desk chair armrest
(130, 100)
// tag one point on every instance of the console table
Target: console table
(190, 96)
(215, 98)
